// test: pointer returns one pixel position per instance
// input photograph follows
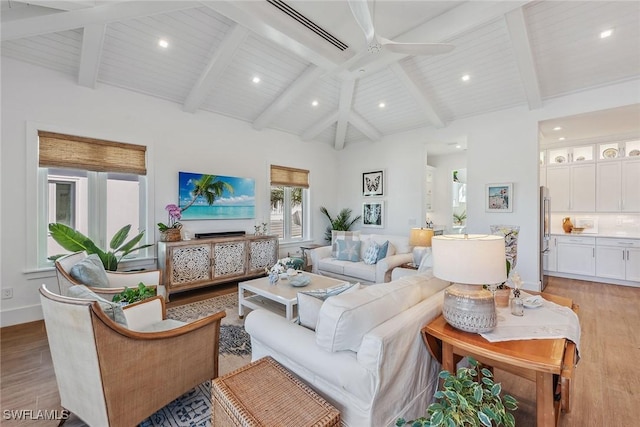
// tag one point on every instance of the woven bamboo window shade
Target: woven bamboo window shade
(67, 151)
(289, 177)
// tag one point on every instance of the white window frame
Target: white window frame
(37, 207)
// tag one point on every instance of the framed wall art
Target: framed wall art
(373, 214)
(203, 196)
(373, 183)
(499, 197)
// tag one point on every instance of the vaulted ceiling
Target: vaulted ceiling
(514, 53)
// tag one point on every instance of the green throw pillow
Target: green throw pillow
(90, 271)
(111, 309)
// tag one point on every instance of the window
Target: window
(289, 192)
(94, 186)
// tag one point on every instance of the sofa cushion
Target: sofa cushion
(346, 318)
(361, 271)
(332, 265)
(382, 252)
(341, 235)
(371, 254)
(349, 250)
(111, 309)
(427, 261)
(309, 303)
(90, 271)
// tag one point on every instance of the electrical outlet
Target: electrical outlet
(7, 293)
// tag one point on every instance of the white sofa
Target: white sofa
(366, 356)
(398, 253)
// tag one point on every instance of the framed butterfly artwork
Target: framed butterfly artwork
(373, 183)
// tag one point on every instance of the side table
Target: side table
(409, 265)
(537, 360)
(305, 256)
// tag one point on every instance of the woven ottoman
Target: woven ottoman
(265, 394)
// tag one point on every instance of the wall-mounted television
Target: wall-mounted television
(203, 196)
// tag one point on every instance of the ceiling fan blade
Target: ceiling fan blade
(360, 10)
(416, 48)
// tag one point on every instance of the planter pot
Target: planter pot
(170, 235)
(502, 297)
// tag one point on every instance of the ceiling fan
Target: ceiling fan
(376, 43)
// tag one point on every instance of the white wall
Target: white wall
(176, 141)
(502, 147)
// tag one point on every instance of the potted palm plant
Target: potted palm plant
(341, 222)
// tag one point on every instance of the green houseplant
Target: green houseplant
(74, 241)
(458, 218)
(467, 401)
(131, 295)
(342, 221)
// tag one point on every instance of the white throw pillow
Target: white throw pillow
(427, 262)
(309, 303)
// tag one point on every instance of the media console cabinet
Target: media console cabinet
(191, 264)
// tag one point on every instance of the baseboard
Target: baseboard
(20, 315)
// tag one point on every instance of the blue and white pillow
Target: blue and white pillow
(349, 250)
(382, 252)
(371, 255)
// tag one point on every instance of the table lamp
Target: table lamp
(469, 261)
(420, 239)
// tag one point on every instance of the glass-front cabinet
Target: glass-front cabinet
(618, 150)
(564, 155)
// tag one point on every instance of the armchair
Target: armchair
(118, 280)
(114, 375)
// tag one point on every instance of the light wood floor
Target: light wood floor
(606, 383)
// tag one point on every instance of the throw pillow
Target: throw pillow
(341, 235)
(111, 309)
(349, 250)
(382, 252)
(90, 271)
(371, 255)
(310, 302)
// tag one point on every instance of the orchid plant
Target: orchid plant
(175, 214)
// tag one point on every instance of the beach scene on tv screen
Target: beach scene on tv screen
(204, 196)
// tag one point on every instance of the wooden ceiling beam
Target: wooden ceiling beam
(364, 126)
(418, 94)
(318, 127)
(219, 59)
(344, 110)
(90, 54)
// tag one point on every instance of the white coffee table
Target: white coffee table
(259, 293)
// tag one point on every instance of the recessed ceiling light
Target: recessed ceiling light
(256, 79)
(557, 128)
(163, 43)
(458, 146)
(562, 138)
(382, 105)
(605, 34)
(315, 102)
(466, 78)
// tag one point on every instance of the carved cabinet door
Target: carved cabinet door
(189, 265)
(229, 259)
(262, 254)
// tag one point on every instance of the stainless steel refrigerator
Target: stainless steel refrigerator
(545, 233)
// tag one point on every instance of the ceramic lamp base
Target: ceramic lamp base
(469, 308)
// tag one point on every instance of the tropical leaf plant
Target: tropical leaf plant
(74, 241)
(466, 401)
(131, 295)
(341, 222)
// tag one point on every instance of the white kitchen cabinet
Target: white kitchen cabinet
(618, 259)
(618, 188)
(576, 255)
(572, 187)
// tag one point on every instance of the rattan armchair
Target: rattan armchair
(112, 375)
(117, 280)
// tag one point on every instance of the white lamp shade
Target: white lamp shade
(474, 259)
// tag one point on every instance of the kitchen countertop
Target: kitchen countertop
(613, 234)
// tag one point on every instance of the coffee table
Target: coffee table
(281, 297)
(538, 360)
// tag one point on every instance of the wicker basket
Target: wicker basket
(170, 235)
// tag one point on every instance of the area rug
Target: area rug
(194, 407)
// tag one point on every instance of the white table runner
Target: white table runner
(548, 321)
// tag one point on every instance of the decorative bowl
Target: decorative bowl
(300, 280)
(577, 230)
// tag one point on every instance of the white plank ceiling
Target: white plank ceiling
(516, 53)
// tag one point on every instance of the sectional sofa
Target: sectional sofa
(365, 354)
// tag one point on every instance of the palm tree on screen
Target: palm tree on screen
(209, 187)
